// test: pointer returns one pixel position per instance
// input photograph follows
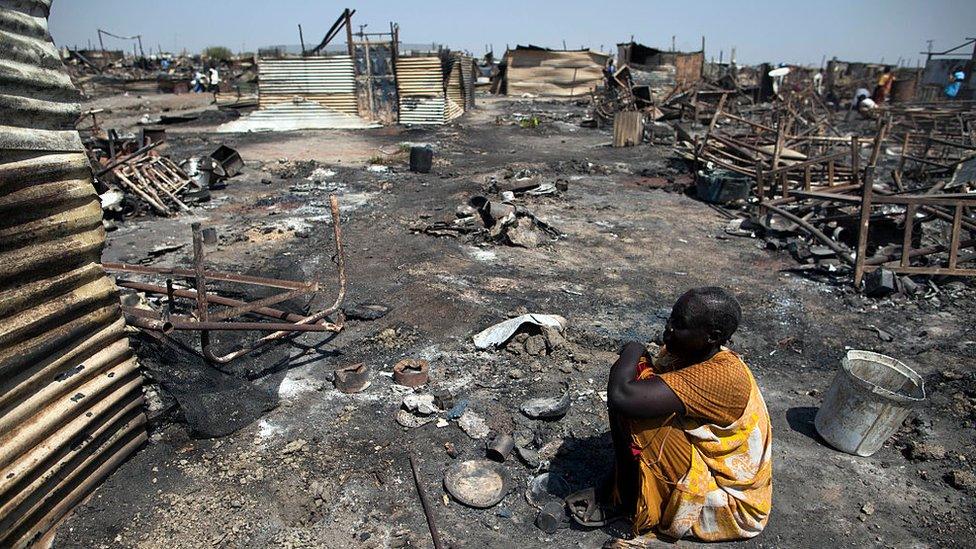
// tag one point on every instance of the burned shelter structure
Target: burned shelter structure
(550, 73)
(367, 85)
(659, 70)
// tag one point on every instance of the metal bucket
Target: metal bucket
(867, 401)
(722, 186)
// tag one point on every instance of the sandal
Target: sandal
(646, 541)
(587, 511)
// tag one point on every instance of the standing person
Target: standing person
(883, 88)
(955, 84)
(690, 430)
(214, 80)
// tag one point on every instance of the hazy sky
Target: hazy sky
(762, 30)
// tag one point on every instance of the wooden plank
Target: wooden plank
(954, 238)
(628, 128)
(711, 124)
(906, 242)
(862, 234)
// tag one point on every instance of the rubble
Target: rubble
(552, 407)
(473, 425)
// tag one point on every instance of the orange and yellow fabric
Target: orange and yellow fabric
(707, 474)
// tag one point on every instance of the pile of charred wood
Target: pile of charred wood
(153, 179)
(132, 176)
(883, 200)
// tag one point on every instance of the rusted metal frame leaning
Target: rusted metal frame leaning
(131, 172)
(207, 348)
(205, 323)
(151, 182)
(161, 209)
(220, 300)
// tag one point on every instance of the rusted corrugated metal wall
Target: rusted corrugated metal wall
(420, 86)
(70, 392)
(455, 91)
(329, 81)
(688, 68)
(468, 71)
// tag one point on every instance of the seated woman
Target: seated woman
(690, 430)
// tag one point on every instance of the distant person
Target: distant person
(214, 80)
(883, 88)
(608, 72)
(955, 84)
(197, 83)
(818, 83)
(860, 95)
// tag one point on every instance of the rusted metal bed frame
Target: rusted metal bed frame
(205, 321)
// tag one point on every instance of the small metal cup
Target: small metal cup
(500, 448)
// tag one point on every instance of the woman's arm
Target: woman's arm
(632, 398)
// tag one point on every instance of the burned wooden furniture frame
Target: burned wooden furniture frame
(205, 321)
(951, 208)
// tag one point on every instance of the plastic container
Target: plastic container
(867, 401)
(421, 159)
(722, 186)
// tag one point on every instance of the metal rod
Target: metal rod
(213, 275)
(209, 353)
(112, 165)
(249, 326)
(434, 535)
(842, 252)
(138, 320)
(216, 299)
(201, 281)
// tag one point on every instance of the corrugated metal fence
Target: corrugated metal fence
(70, 392)
(329, 81)
(420, 85)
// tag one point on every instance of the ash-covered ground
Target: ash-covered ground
(308, 466)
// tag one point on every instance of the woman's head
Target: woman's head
(701, 321)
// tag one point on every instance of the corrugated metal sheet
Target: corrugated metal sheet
(328, 80)
(420, 77)
(454, 106)
(553, 73)
(468, 80)
(422, 110)
(70, 392)
(420, 85)
(342, 102)
(295, 115)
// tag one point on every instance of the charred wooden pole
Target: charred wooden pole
(434, 535)
(347, 15)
